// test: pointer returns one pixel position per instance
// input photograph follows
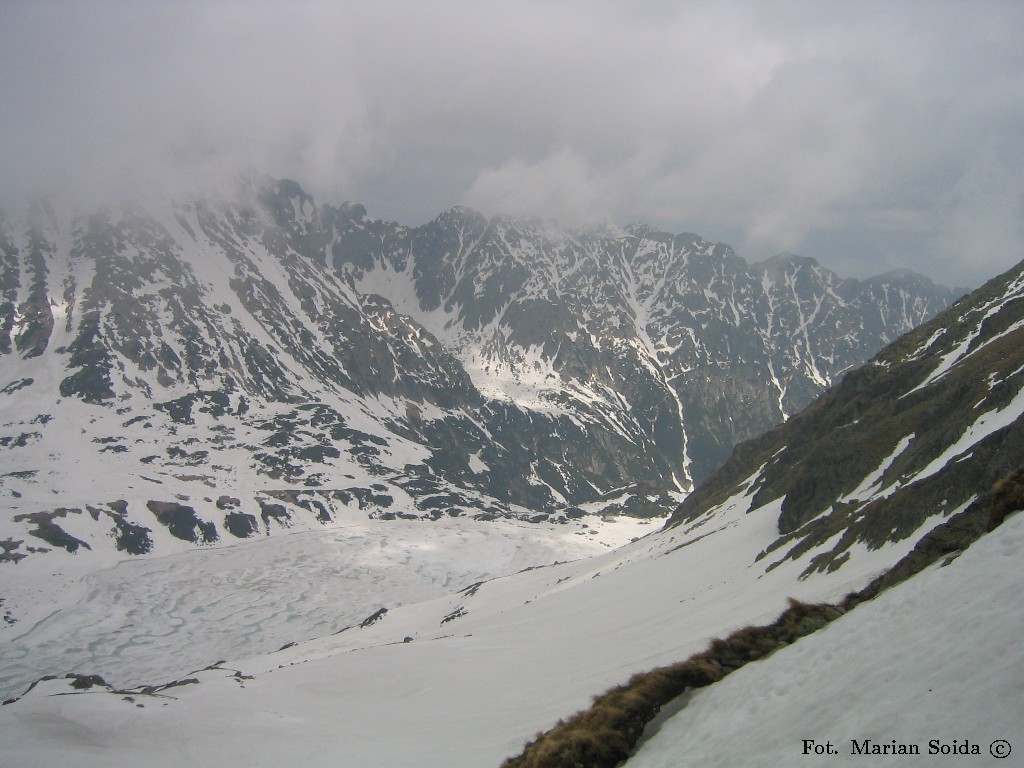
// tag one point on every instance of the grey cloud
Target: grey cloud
(869, 135)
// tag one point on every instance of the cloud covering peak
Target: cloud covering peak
(870, 135)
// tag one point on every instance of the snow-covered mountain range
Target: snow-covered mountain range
(908, 461)
(210, 370)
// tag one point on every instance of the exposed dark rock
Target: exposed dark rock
(9, 554)
(50, 532)
(85, 682)
(128, 537)
(241, 524)
(277, 512)
(373, 618)
(22, 440)
(183, 522)
(180, 410)
(14, 386)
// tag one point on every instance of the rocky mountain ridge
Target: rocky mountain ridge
(711, 348)
(915, 435)
(221, 368)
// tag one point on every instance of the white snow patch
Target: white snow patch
(984, 425)
(934, 660)
(864, 490)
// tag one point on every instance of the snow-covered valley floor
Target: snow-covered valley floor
(463, 678)
(149, 620)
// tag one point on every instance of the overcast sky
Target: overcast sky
(870, 136)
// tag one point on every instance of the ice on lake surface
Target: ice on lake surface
(149, 620)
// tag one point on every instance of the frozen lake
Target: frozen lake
(150, 620)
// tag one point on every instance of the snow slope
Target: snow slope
(935, 663)
(484, 670)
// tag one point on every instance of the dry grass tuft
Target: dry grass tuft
(605, 735)
(1007, 497)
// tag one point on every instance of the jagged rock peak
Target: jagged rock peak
(461, 215)
(787, 259)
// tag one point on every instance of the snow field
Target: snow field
(935, 658)
(149, 620)
(484, 671)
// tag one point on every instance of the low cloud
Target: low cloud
(870, 135)
(560, 186)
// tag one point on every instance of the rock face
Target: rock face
(680, 338)
(298, 359)
(931, 423)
